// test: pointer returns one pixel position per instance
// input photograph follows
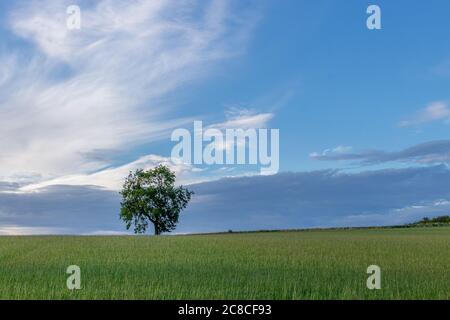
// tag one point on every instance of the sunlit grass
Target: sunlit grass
(415, 264)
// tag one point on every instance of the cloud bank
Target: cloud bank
(286, 200)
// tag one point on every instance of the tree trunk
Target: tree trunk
(157, 232)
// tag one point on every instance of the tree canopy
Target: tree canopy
(151, 197)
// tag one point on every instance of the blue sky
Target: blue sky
(80, 108)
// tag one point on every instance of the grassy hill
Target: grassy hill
(326, 264)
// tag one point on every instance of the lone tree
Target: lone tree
(151, 196)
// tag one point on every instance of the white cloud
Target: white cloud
(241, 118)
(436, 111)
(334, 153)
(12, 230)
(100, 89)
(113, 178)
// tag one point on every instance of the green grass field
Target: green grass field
(328, 264)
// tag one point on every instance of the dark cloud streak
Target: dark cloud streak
(432, 152)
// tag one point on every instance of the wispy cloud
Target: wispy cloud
(436, 111)
(82, 93)
(242, 118)
(113, 178)
(433, 152)
(337, 153)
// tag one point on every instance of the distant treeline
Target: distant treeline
(432, 222)
(441, 221)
